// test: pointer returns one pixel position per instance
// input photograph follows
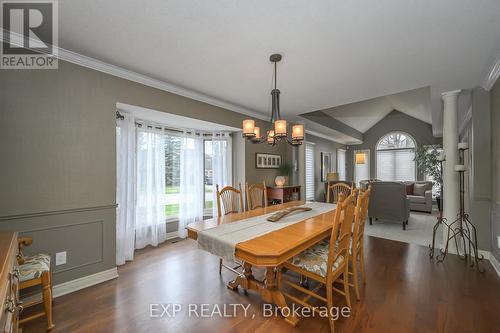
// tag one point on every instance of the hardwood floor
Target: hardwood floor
(405, 292)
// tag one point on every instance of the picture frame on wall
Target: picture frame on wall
(267, 161)
(326, 161)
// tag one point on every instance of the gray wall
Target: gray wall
(495, 168)
(254, 175)
(477, 133)
(394, 121)
(58, 167)
(327, 146)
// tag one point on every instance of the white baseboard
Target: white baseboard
(488, 256)
(77, 284)
(495, 263)
(171, 235)
(84, 282)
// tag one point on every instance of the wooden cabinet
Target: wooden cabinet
(9, 275)
(283, 194)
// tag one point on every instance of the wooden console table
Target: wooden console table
(283, 194)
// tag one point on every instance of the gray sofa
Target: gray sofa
(421, 200)
(388, 201)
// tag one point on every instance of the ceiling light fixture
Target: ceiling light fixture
(279, 130)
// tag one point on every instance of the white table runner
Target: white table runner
(222, 240)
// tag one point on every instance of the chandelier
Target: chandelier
(279, 130)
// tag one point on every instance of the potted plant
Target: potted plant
(428, 163)
(284, 170)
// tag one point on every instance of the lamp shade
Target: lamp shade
(360, 158)
(256, 131)
(298, 132)
(280, 128)
(248, 127)
(270, 137)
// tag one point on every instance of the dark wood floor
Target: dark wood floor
(405, 292)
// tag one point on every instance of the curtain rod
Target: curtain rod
(138, 124)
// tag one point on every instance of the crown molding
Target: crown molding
(492, 75)
(104, 67)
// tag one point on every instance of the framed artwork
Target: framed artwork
(267, 161)
(326, 161)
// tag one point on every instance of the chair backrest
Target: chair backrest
(360, 215)
(341, 232)
(334, 189)
(256, 195)
(230, 199)
(388, 201)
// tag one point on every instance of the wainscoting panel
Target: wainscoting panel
(87, 236)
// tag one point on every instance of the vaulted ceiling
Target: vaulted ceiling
(334, 52)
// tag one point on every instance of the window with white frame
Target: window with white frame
(395, 153)
(309, 172)
(341, 164)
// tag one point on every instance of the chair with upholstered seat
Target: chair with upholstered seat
(35, 271)
(324, 263)
(229, 201)
(357, 243)
(334, 189)
(256, 196)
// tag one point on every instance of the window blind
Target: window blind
(309, 172)
(396, 165)
(341, 164)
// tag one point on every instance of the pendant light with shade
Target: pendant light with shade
(279, 131)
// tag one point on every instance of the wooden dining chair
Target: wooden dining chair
(357, 243)
(334, 189)
(256, 195)
(324, 263)
(229, 200)
(35, 271)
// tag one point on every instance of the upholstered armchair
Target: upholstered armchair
(388, 201)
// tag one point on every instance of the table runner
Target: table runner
(222, 240)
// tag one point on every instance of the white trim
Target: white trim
(451, 93)
(494, 262)
(492, 75)
(487, 256)
(77, 284)
(172, 235)
(101, 66)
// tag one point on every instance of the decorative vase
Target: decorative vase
(280, 180)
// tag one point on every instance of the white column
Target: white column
(451, 180)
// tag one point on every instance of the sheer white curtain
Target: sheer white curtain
(126, 188)
(191, 180)
(221, 164)
(150, 226)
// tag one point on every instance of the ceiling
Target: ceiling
(363, 115)
(334, 52)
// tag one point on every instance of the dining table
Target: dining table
(268, 248)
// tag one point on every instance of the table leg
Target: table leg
(268, 289)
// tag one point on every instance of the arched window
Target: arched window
(394, 155)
